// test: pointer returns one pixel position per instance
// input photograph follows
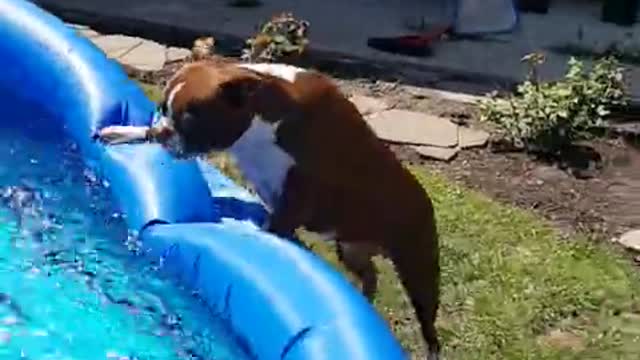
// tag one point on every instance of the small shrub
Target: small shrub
(203, 48)
(548, 117)
(282, 37)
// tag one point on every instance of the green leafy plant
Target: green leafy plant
(282, 37)
(550, 116)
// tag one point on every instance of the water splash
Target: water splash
(72, 285)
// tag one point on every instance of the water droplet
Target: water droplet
(133, 242)
(90, 177)
(40, 333)
(10, 320)
(5, 337)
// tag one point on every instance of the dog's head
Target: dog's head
(209, 105)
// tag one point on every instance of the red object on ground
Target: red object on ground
(414, 45)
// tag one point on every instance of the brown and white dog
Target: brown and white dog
(313, 160)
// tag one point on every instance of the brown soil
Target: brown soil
(600, 197)
(601, 205)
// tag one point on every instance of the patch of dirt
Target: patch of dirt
(564, 340)
(516, 179)
(603, 200)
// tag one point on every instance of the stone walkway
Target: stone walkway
(142, 54)
(431, 136)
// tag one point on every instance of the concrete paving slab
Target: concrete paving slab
(147, 56)
(173, 54)
(437, 153)
(410, 127)
(630, 240)
(116, 45)
(368, 105)
(470, 137)
(141, 54)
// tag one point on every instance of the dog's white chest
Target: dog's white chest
(284, 71)
(262, 162)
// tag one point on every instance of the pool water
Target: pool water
(70, 287)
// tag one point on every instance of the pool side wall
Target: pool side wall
(281, 301)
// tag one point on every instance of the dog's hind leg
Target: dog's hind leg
(417, 263)
(357, 258)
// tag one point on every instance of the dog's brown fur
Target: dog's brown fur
(344, 179)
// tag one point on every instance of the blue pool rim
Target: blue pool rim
(282, 301)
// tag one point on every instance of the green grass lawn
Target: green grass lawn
(513, 288)
(153, 92)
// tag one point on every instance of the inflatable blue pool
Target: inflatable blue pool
(282, 301)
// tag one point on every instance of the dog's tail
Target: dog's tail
(417, 261)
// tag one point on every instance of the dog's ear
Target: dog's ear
(237, 92)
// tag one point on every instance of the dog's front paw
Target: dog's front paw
(118, 134)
